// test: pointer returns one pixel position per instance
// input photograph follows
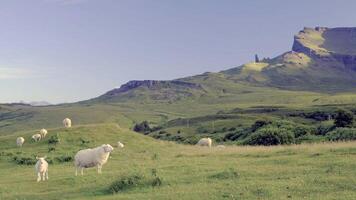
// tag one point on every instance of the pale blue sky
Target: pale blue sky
(70, 50)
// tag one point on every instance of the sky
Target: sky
(71, 50)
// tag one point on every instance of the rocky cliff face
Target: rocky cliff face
(153, 85)
(328, 44)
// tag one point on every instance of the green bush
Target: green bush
(50, 149)
(135, 180)
(126, 182)
(202, 129)
(324, 129)
(54, 139)
(191, 139)
(344, 118)
(142, 127)
(24, 160)
(64, 158)
(259, 124)
(342, 134)
(303, 130)
(236, 135)
(270, 136)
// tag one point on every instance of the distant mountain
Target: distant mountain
(36, 103)
(321, 60)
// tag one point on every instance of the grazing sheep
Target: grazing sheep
(205, 142)
(41, 168)
(120, 145)
(36, 137)
(96, 157)
(43, 133)
(20, 141)
(220, 146)
(67, 123)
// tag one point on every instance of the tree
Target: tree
(256, 58)
(343, 118)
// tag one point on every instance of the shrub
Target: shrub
(259, 124)
(270, 136)
(324, 129)
(342, 134)
(191, 140)
(202, 129)
(302, 130)
(344, 118)
(64, 158)
(238, 134)
(142, 127)
(125, 183)
(54, 139)
(50, 149)
(24, 160)
(135, 180)
(232, 129)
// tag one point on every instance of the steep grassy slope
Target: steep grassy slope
(188, 172)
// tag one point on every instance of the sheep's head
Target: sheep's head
(107, 148)
(120, 145)
(41, 159)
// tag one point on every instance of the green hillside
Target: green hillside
(186, 172)
(300, 79)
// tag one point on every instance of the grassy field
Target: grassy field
(307, 171)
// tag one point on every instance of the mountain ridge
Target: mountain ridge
(317, 62)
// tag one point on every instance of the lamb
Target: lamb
(205, 142)
(96, 157)
(67, 123)
(41, 168)
(43, 133)
(36, 137)
(20, 141)
(120, 145)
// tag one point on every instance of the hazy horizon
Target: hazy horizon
(70, 50)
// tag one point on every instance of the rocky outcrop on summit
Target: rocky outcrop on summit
(328, 44)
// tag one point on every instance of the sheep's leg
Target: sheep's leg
(47, 174)
(76, 171)
(38, 177)
(99, 169)
(81, 172)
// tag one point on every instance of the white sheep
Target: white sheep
(96, 157)
(20, 141)
(67, 123)
(41, 168)
(36, 137)
(205, 142)
(220, 146)
(120, 145)
(43, 133)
